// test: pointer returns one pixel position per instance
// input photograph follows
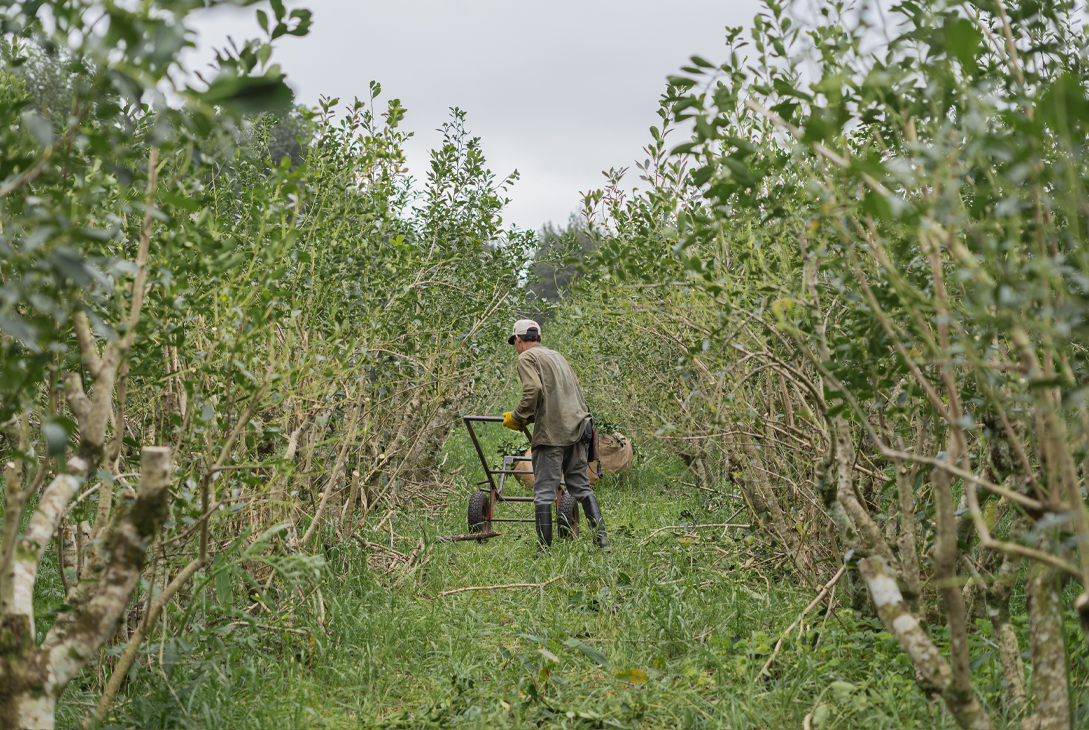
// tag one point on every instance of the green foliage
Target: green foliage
(557, 262)
(851, 301)
(663, 633)
(296, 320)
(872, 247)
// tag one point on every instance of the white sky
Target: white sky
(559, 90)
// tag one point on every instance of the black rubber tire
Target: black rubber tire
(567, 516)
(478, 511)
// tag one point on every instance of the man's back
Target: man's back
(552, 395)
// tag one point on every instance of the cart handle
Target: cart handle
(469, 420)
(489, 419)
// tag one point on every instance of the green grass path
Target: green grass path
(667, 631)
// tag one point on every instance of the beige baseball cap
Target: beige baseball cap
(522, 328)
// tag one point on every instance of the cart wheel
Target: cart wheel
(567, 516)
(478, 511)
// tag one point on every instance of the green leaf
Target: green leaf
(181, 201)
(842, 691)
(224, 592)
(1064, 105)
(68, 264)
(702, 175)
(785, 89)
(962, 41)
(548, 655)
(249, 94)
(588, 651)
(877, 206)
(21, 330)
(681, 82)
(739, 171)
(303, 26)
(635, 676)
(56, 437)
(835, 411)
(981, 659)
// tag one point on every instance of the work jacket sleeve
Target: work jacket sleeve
(531, 390)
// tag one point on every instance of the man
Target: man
(552, 399)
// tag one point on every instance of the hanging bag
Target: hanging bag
(589, 438)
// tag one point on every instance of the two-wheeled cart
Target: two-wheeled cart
(484, 502)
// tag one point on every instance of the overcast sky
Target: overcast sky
(559, 90)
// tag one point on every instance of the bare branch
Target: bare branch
(347, 442)
(820, 597)
(43, 523)
(121, 670)
(452, 591)
(113, 453)
(902, 624)
(140, 283)
(14, 502)
(77, 398)
(87, 345)
(77, 637)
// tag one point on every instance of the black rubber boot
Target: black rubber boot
(542, 516)
(592, 511)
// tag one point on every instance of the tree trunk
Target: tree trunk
(1009, 649)
(1048, 652)
(906, 544)
(959, 696)
(32, 677)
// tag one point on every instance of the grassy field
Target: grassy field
(669, 630)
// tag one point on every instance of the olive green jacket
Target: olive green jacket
(551, 397)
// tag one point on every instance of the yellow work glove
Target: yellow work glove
(509, 422)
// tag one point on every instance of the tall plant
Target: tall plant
(274, 345)
(888, 217)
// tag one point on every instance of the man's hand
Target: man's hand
(509, 422)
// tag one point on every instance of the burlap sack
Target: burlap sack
(527, 467)
(614, 451)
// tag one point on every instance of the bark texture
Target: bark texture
(1009, 649)
(929, 664)
(1048, 653)
(32, 677)
(960, 697)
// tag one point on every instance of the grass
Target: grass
(664, 632)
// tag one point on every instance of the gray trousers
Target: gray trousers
(552, 462)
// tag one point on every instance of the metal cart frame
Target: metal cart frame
(567, 511)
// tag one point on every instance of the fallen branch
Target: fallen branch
(493, 588)
(470, 536)
(380, 547)
(712, 491)
(820, 597)
(690, 528)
